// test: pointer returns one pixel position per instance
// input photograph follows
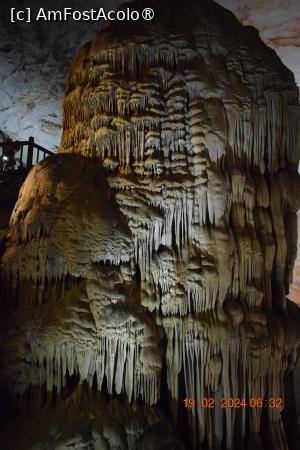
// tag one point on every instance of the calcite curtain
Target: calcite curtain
(149, 260)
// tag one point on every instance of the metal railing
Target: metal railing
(34, 154)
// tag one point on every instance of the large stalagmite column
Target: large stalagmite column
(149, 261)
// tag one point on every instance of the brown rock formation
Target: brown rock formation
(149, 261)
(294, 293)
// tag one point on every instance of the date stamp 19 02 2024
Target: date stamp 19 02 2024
(234, 402)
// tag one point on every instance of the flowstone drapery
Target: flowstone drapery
(149, 260)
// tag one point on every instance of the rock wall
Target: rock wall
(294, 292)
(278, 24)
(34, 58)
(149, 260)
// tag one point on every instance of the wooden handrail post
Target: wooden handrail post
(30, 152)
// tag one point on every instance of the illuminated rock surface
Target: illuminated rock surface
(34, 57)
(33, 60)
(149, 261)
(294, 293)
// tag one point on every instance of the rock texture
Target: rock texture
(278, 23)
(149, 260)
(34, 58)
(294, 292)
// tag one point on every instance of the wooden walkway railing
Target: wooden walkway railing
(35, 153)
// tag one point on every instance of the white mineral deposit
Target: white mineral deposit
(148, 262)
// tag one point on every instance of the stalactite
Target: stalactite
(161, 237)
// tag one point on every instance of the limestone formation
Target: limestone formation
(294, 293)
(149, 261)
